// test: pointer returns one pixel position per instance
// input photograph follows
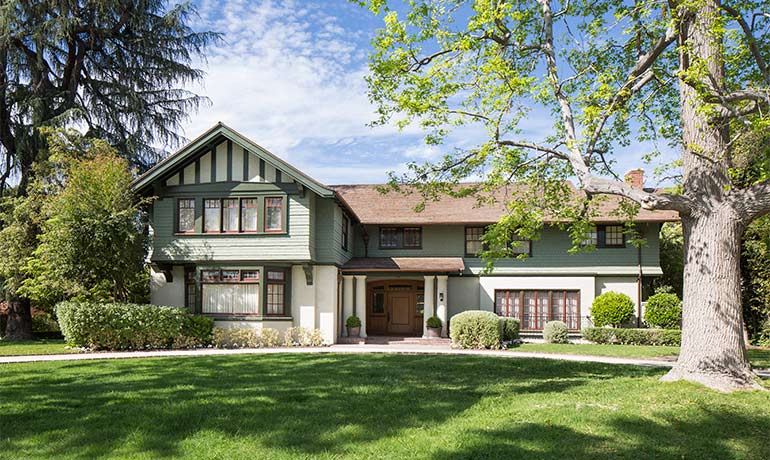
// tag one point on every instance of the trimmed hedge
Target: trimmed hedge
(555, 332)
(612, 309)
(476, 329)
(629, 336)
(663, 310)
(510, 327)
(124, 326)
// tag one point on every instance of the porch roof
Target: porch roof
(404, 264)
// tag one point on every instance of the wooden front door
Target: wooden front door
(394, 307)
(400, 312)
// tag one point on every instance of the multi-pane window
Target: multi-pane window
(521, 246)
(212, 216)
(474, 244)
(276, 293)
(345, 226)
(249, 208)
(230, 215)
(378, 300)
(606, 236)
(273, 214)
(230, 292)
(534, 308)
(190, 289)
(186, 215)
(400, 237)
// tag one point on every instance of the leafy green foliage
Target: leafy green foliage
(91, 245)
(353, 321)
(663, 310)
(123, 326)
(555, 332)
(755, 278)
(434, 322)
(630, 336)
(476, 329)
(672, 256)
(510, 328)
(611, 309)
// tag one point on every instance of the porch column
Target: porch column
(361, 301)
(429, 298)
(347, 301)
(441, 301)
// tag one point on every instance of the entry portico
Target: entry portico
(396, 295)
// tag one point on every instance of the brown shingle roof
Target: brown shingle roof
(373, 207)
(405, 264)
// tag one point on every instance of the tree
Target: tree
(91, 245)
(611, 73)
(115, 67)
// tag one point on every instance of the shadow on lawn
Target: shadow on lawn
(312, 405)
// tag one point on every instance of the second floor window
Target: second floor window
(273, 214)
(212, 216)
(230, 215)
(345, 225)
(400, 237)
(473, 241)
(249, 208)
(606, 236)
(186, 215)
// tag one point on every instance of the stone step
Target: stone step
(382, 340)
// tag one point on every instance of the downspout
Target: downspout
(639, 287)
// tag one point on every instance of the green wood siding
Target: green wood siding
(328, 241)
(549, 253)
(294, 246)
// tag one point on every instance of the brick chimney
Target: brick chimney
(635, 178)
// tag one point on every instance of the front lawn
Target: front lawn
(759, 357)
(34, 347)
(369, 407)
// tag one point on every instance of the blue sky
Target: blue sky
(289, 75)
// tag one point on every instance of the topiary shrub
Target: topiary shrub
(476, 329)
(434, 322)
(663, 310)
(632, 336)
(510, 328)
(123, 326)
(555, 332)
(612, 309)
(353, 321)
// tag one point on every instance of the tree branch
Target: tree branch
(753, 47)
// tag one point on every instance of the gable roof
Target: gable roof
(220, 130)
(372, 207)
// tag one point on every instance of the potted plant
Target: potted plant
(434, 327)
(353, 323)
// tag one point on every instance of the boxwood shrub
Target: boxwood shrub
(612, 309)
(663, 310)
(123, 326)
(555, 332)
(510, 327)
(629, 336)
(476, 329)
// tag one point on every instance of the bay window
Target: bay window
(273, 214)
(230, 292)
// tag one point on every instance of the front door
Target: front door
(400, 312)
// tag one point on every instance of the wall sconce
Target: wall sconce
(440, 296)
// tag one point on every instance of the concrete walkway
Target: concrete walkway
(350, 349)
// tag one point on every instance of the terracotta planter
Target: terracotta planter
(434, 332)
(354, 331)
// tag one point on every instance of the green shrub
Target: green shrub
(555, 332)
(663, 310)
(629, 336)
(763, 337)
(510, 328)
(612, 309)
(44, 322)
(476, 329)
(353, 321)
(235, 337)
(434, 322)
(123, 326)
(302, 337)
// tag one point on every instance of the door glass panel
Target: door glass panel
(378, 303)
(528, 317)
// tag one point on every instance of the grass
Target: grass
(33, 347)
(369, 407)
(759, 357)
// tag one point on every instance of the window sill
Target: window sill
(255, 318)
(231, 234)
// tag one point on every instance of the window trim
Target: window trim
(240, 280)
(399, 237)
(283, 214)
(520, 317)
(178, 220)
(285, 283)
(240, 214)
(219, 228)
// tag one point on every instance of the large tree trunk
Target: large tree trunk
(19, 320)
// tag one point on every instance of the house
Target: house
(244, 237)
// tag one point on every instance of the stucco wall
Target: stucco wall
(623, 284)
(165, 293)
(315, 306)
